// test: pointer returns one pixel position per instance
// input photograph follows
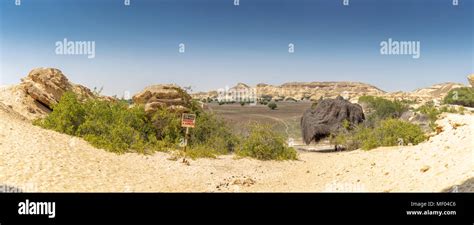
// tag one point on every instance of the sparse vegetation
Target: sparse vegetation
(118, 127)
(384, 108)
(388, 132)
(272, 105)
(264, 144)
(109, 125)
(433, 112)
(382, 126)
(463, 96)
(213, 134)
(66, 116)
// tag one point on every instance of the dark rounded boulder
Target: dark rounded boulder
(327, 118)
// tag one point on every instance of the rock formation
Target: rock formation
(349, 90)
(163, 95)
(47, 85)
(35, 96)
(304, 90)
(470, 78)
(327, 117)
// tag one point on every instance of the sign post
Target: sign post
(188, 121)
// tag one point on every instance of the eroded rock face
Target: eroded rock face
(163, 96)
(47, 85)
(35, 96)
(304, 90)
(470, 78)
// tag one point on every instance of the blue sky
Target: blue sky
(137, 45)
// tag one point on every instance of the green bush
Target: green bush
(212, 133)
(384, 108)
(66, 117)
(272, 105)
(264, 144)
(391, 130)
(388, 132)
(432, 112)
(168, 126)
(117, 127)
(460, 96)
(108, 125)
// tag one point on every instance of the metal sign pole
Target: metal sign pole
(187, 120)
(185, 143)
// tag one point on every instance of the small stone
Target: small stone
(425, 168)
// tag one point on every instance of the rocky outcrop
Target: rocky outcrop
(316, 90)
(305, 90)
(35, 96)
(47, 85)
(434, 93)
(470, 78)
(163, 96)
(349, 90)
(327, 117)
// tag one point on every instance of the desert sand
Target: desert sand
(35, 159)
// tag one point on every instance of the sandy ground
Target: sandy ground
(34, 159)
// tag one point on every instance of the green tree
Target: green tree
(272, 105)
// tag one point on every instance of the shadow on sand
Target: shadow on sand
(323, 150)
(466, 186)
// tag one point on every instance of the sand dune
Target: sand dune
(35, 159)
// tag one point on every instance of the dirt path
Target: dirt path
(34, 159)
(278, 120)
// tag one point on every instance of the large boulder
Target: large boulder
(167, 96)
(327, 117)
(47, 85)
(470, 78)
